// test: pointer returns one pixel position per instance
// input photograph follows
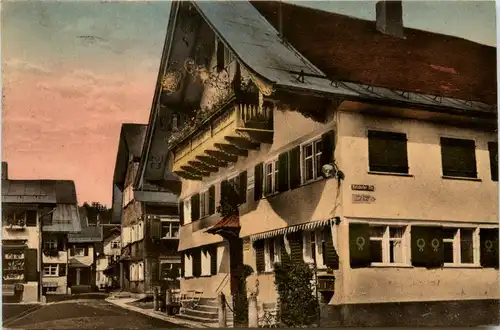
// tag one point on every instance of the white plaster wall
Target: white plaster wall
(29, 233)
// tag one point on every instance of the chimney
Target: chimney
(390, 17)
(5, 171)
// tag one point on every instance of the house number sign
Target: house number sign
(363, 187)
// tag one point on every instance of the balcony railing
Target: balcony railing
(222, 138)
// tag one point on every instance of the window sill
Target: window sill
(205, 275)
(474, 266)
(382, 265)
(391, 174)
(446, 177)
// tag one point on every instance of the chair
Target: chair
(268, 316)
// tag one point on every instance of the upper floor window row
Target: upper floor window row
(387, 152)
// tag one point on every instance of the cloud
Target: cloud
(16, 64)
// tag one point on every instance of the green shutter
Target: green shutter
(213, 260)
(295, 167)
(427, 249)
(296, 252)
(195, 207)
(196, 255)
(181, 213)
(489, 247)
(327, 147)
(31, 265)
(493, 149)
(283, 172)
(359, 245)
(243, 187)
(211, 200)
(259, 174)
(331, 255)
(259, 256)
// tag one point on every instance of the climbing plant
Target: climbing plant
(298, 305)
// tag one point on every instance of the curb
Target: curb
(157, 315)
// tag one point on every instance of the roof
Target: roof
(130, 144)
(39, 191)
(73, 262)
(229, 222)
(65, 218)
(88, 233)
(351, 49)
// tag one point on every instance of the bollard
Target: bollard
(155, 299)
(222, 310)
(253, 317)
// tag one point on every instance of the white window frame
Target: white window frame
(204, 204)
(188, 265)
(170, 225)
(187, 211)
(205, 262)
(50, 243)
(77, 248)
(140, 230)
(318, 247)
(316, 156)
(268, 263)
(386, 239)
(115, 244)
(274, 177)
(140, 271)
(128, 195)
(51, 267)
(457, 253)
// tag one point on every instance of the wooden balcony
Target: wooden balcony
(221, 139)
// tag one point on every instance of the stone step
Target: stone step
(199, 313)
(198, 319)
(207, 308)
(208, 302)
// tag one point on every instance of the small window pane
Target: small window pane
(449, 233)
(396, 232)
(448, 252)
(396, 252)
(309, 175)
(376, 251)
(308, 150)
(377, 231)
(466, 246)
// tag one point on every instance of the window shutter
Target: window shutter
(62, 269)
(489, 247)
(223, 190)
(86, 251)
(181, 213)
(493, 149)
(295, 167)
(259, 256)
(211, 200)
(195, 207)
(331, 256)
(427, 249)
(155, 228)
(284, 257)
(31, 265)
(60, 243)
(31, 218)
(259, 174)
(327, 147)
(196, 262)
(359, 245)
(458, 157)
(220, 56)
(283, 172)
(296, 253)
(243, 187)
(183, 264)
(213, 260)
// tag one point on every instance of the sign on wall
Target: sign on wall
(363, 187)
(362, 199)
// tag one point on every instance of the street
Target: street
(79, 314)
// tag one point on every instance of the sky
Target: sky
(74, 71)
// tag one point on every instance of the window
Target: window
(115, 244)
(493, 149)
(51, 244)
(387, 152)
(174, 121)
(188, 265)
(204, 204)
(271, 177)
(169, 229)
(460, 246)
(50, 270)
(140, 271)
(187, 211)
(78, 251)
(311, 161)
(389, 245)
(272, 253)
(51, 289)
(140, 231)
(458, 158)
(234, 182)
(313, 247)
(128, 195)
(205, 262)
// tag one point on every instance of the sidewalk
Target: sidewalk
(123, 303)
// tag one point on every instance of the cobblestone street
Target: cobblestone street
(84, 314)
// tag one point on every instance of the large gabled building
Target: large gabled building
(366, 149)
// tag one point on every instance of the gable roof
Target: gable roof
(88, 233)
(39, 191)
(130, 144)
(351, 49)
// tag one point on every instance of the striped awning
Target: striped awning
(309, 226)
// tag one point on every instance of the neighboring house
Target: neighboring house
(37, 217)
(148, 215)
(364, 148)
(107, 262)
(82, 256)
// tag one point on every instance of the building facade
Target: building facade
(37, 217)
(381, 172)
(148, 215)
(107, 262)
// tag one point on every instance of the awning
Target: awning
(14, 244)
(309, 226)
(49, 284)
(111, 269)
(8, 289)
(75, 263)
(229, 222)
